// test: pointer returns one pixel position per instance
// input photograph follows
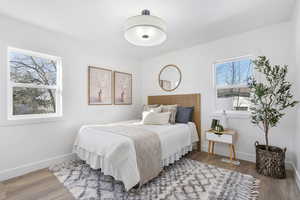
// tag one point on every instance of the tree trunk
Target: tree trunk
(267, 136)
(52, 99)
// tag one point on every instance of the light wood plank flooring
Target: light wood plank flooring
(270, 188)
(43, 185)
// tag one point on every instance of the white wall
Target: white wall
(23, 145)
(197, 77)
(296, 23)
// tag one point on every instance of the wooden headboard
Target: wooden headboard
(187, 100)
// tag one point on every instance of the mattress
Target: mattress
(115, 154)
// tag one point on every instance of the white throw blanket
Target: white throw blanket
(115, 154)
(147, 148)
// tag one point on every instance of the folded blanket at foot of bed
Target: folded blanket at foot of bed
(147, 149)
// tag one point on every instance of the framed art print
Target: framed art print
(122, 88)
(99, 86)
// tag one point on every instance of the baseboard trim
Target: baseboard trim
(240, 155)
(245, 156)
(24, 169)
(296, 175)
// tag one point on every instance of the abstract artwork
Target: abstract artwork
(100, 86)
(123, 88)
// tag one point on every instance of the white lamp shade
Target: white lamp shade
(145, 30)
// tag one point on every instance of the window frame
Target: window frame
(230, 113)
(57, 87)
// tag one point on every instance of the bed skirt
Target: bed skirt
(96, 161)
(171, 159)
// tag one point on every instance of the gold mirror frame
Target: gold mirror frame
(180, 77)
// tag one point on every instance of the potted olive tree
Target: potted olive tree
(269, 99)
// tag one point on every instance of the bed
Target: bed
(105, 147)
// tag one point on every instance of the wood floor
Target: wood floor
(44, 186)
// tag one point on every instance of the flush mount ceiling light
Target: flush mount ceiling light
(145, 30)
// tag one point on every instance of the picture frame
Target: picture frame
(122, 88)
(100, 86)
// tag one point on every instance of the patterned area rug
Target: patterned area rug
(185, 179)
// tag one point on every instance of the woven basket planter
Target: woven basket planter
(270, 163)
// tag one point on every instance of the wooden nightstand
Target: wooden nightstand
(227, 136)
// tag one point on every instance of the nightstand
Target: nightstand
(227, 136)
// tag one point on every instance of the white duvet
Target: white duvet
(115, 154)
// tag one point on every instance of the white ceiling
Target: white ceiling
(189, 22)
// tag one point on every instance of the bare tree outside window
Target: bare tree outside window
(232, 84)
(33, 83)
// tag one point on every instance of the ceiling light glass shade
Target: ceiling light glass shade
(145, 30)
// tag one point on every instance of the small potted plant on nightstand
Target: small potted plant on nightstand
(269, 100)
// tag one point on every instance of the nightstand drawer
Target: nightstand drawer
(225, 138)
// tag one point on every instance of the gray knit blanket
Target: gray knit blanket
(147, 147)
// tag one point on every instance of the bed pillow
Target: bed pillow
(153, 118)
(184, 114)
(172, 109)
(151, 107)
(157, 110)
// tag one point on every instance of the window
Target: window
(231, 83)
(34, 85)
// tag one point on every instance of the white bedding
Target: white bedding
(115, 154)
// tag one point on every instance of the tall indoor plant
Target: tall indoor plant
(269, 98)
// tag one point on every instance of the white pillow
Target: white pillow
(172, 109)
(156, 110)
(153, 118)
(149, 107)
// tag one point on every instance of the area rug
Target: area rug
(184, 180)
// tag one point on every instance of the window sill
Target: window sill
(23, 122)
(233, 114)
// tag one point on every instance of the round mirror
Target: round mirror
(169, 77)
